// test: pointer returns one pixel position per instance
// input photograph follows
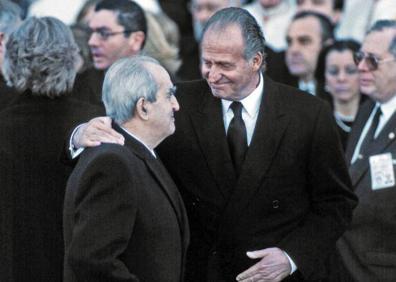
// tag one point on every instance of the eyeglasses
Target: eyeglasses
(371, 60)
(104, 34)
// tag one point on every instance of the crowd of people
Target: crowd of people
(202, 140)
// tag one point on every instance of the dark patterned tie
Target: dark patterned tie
(356, 168)
(236, 136)
(368, 140)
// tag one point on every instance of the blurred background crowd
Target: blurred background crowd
(310, 44)
(296, 31)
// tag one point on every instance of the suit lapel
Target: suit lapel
(158, 171)
(358, 125)
(271, 124)
(384, 139)
(209, 127)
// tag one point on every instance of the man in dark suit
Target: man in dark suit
(118, 30)
(368, 247)
(33, 128)
(307, 34)
(259, 165)
(124, 219)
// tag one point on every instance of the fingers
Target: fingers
(247, 274)
(273, 266)
(95, 132)
(258, 254)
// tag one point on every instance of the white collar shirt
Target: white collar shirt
(309, 86)
(251, 106)
(388, 110)
(139, 140)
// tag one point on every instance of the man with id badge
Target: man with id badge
(368, 247)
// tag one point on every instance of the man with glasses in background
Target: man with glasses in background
(118, 29)
(368, 247)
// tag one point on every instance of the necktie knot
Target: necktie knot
(236, 108)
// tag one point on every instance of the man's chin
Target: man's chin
(101, 65)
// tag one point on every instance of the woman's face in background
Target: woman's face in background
(342, 77)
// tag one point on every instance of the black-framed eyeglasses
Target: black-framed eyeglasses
(372, 61)
(105, 34)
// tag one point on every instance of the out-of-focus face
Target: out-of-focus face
(270, 3)
(118, 45)
(229, 75)
(202, 10)
(304, 44)
(324, 7)
(379, 84)
(342, 77)
(161, 112)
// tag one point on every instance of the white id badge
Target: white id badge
(381, 169)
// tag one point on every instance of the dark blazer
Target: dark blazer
(32, 133)
(88, 86)
(7, 94)
(368, 247)
(293, 191)
(124, 219)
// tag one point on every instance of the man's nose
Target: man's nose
(213, 74)
(93, 39)
(175, 104)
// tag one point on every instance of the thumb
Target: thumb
(257, 254)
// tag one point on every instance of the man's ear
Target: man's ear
(136, 40)
(141, 109)
(2, 42)
(257, 61)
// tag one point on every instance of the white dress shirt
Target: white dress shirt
(251, 105)
(139, 140)
(387, 109)
(309, 86)
(250, 110)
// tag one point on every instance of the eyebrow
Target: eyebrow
(172, 90)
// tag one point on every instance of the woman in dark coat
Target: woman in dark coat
(40, 63)
(336, 67)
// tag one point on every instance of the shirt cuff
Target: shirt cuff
(74, 152)
(292, 264)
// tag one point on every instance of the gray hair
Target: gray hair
(383, 25)
(41, 56)
(251, 32)
(127, 81)
(10, 16)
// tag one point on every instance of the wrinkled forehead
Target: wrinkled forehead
(370, 43)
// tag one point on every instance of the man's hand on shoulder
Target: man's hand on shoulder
(274, 266)
(95, 132)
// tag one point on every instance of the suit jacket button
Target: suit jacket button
(275, 204)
